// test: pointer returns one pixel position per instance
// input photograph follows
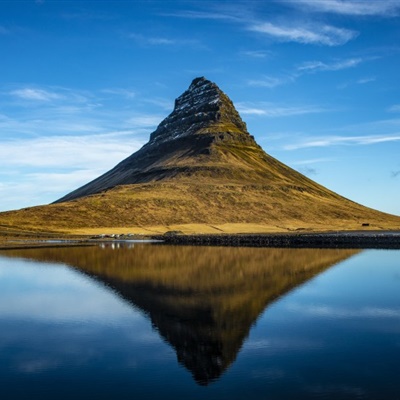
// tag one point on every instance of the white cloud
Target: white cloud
(269, 81)
(62, 139)
(46, 168)
(313, 66)
(35, 94)
(387, 8)
(74, 152)
(271, 110)
(311, 161)
(307, 34)
(343, 140)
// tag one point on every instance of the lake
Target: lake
(146, 321)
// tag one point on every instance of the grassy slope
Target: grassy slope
(238, 188)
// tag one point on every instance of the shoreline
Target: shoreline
(344, 240)
(339, 240)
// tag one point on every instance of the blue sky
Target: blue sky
(84, 83)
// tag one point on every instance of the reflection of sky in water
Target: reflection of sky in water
(54, 292)
(336, 336)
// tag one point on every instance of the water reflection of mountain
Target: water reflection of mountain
(202, 300)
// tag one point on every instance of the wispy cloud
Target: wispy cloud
(395, 108)
(256, 53)
(343, 140)
(270, 81)
(297, 31)
(312, 161)
(74, 151)
(161, 41)
(35, 94)
(313, 66)
(205, 15)
(147, 40)
(144, 120)
(48, 94)
(273, 111)
(310, 67)
(363, 81)
(61, 111)
(305, 33)
(386, 8)
(45, 168)
(120, 92)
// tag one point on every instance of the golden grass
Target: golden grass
(236, 189)
(200, 207)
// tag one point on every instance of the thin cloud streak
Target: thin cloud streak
(161, 41)
(35, 94)
(306, 34)
(309, 67)
(342, 141)
(313, 66)
(311, 161)
(256, 53)
(129, 94)
(386, 8)
(204, 15)
(273, 111)
(270, 82)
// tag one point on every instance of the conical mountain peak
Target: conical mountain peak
(202, 166)
(203, 108)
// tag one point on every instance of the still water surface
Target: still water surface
(149, 321)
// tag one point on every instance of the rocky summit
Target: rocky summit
(201, 171)
(184, 144)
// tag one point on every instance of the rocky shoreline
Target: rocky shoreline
(348, 240)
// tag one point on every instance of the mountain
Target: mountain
(202, 301)
(204, 137)
(201, 166)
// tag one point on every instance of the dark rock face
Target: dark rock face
(201, 105)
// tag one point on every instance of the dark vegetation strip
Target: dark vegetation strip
(353, 240)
